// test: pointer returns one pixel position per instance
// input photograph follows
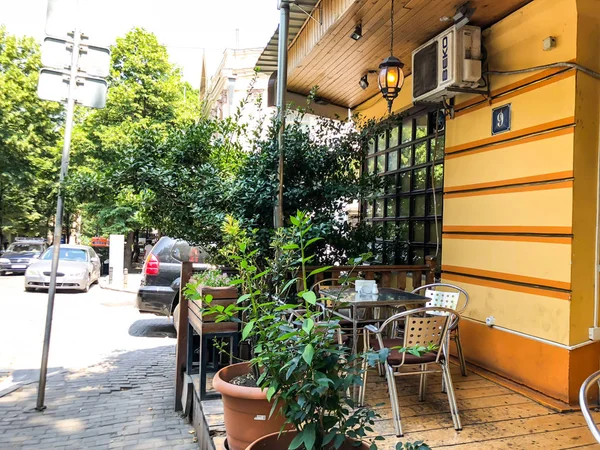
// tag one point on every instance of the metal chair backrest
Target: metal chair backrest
(423, 326)
(585, 407)
(445, 299)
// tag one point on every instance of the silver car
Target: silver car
(78, 269)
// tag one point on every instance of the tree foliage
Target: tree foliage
(321, 175)
(29, 140)
(115, 148)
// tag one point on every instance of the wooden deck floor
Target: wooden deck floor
(493, 417)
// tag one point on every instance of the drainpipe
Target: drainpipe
(597, 253)
(282, 59)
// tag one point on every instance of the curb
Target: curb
(132, 288)
(12, 386)
(117, 289)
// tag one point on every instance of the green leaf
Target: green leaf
(270, 393)
(288, 284)
(339, 440)
(310, 297)
(243, 298)
(313, 240)
(286, 307)
(293, 365)
(297, 441)
(273, 408)
(247, 329)
(319, 270)
(208, 298)
(308, 325)
(308, 354)
(310, 436)
(295, 221)
(329, 436)
(286, 336)
(291, 246)
(260, 275)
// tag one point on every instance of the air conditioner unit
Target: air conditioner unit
(451, 59)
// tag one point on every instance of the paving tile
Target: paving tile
(90, 409)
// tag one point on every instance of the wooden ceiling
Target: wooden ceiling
(336, 62)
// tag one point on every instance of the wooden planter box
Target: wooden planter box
(206, 324)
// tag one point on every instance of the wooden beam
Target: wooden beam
(182, 334)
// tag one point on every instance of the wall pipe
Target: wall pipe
(282, 59)
(597, 253)
(535, 338)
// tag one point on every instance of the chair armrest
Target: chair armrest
(372, 329)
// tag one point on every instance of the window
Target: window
(403, 214)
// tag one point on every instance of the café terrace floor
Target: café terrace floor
(493, 417)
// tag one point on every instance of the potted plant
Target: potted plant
(302, 373)
(308, 373)
(247, 411)
(211, 288)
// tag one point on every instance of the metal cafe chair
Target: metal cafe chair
(319, 318)
(448, 298)
(585, 407)
(364, 317)
(422, 326)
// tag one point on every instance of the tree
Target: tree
(114, 146)
(322, 174)
(29, 139)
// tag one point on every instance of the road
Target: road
(87, 327)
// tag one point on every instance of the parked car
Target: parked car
(20, 254)
(78, 269)
(161, 275)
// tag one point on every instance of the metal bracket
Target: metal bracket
(485, 93)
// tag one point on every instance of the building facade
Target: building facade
(512, 216)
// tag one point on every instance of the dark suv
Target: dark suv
(20, 254)
(159, 290)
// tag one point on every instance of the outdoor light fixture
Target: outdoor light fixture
(391, 76)
(462, 17)
(357, 33)
(364, 81)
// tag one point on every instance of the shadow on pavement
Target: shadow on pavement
(156, 327)
(124, 401)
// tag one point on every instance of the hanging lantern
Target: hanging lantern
(391, 79)
(391, 76)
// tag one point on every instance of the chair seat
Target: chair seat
(395, 356)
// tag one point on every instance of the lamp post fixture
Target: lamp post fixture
(391, 76)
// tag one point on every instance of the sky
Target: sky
(186, 27)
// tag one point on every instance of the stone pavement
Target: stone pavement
(125, 401)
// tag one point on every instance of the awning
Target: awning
(299, 14)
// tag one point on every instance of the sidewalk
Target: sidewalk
(124, 402)
(133, 283)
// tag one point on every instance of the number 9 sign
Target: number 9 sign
(501, 119)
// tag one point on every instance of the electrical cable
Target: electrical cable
(435, 152)
(583, 69)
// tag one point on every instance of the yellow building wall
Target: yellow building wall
(519, 225)
(585, 167)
